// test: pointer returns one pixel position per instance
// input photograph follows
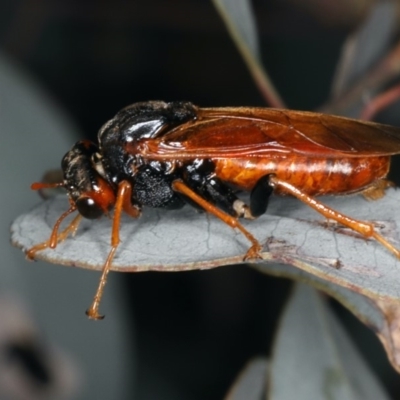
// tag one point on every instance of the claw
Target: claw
(93, 314)
(254, 253)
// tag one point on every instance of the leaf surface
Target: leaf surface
(184, 239)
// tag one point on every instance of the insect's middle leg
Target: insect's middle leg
(211, 194)
(233, 222)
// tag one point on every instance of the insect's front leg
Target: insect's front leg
(56, 237)
(123, 203)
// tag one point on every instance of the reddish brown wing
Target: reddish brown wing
(260, 132)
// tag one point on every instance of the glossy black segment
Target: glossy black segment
(139, 121)
(143, 120)
(88, 208)
(222, 195)
(200, 176)
(259, 196)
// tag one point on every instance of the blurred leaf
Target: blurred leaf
(250, 384)
(313, 357)
(379, 314)
(35, 133)
(240, 22)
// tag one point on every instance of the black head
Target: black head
(92, 195)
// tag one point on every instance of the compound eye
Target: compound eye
(88, 208)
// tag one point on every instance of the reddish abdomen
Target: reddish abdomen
(315, 176)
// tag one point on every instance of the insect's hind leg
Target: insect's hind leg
(365, 228)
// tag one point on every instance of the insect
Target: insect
(159, 154)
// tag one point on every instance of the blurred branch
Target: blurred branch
(366, 45)
(26, 26)
(380, 102)
(378, 76)
(262, 80)
(240, 23)
(345, 13)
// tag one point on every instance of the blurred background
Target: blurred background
(186, 335)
